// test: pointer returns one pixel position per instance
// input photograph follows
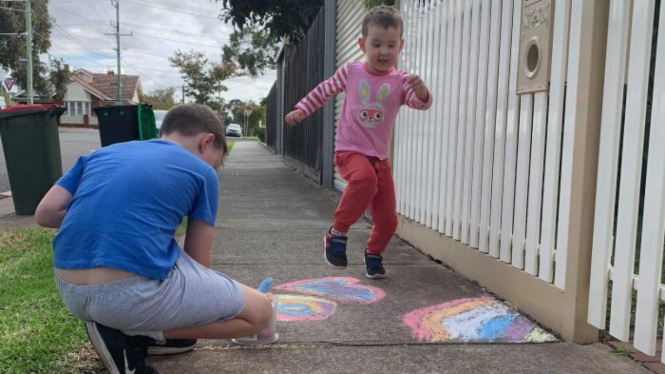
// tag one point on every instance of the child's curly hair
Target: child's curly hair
(384, 16)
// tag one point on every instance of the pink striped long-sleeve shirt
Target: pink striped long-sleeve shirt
(370, 107)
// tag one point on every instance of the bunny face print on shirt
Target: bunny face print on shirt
(371, 114)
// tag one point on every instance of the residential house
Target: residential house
(88, 90)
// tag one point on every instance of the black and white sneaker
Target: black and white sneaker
(171, 346)
(120, 353)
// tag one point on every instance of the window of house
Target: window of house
(78, 108)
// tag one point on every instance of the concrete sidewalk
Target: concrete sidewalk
(423, 318)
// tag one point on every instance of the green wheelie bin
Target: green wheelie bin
(124, 123)
(31, 145)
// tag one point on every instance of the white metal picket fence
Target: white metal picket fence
(485, 166)
(633, 221)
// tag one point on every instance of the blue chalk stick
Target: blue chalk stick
(265, 285)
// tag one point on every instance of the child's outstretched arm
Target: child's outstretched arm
(315, 99)
(416, 93)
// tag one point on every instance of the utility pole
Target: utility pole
(28, 45)
(28, 42)
(116, 4)
(183, 94)
(248, 113)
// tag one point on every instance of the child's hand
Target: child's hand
(418, 87)
(295, 117)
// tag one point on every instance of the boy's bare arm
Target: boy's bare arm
(51, 210)
(198, 240)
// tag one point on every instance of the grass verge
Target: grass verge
(37, 332)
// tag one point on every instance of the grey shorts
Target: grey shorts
(191, 295)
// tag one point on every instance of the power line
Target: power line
(176, 5)
(144, 53)
(71, 37)
(204, 11)
(177, 41)
(75, 53)
(179, 11)
(73, 11)
(178, 32)
(82, 22)
(142, 73)
(93, 9)
(101, 4)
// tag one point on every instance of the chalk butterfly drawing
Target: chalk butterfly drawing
(319, 297)
(303, 308)
(371, 114)
(345, 290)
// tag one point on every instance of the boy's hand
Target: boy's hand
(295, 117)
(418, 87)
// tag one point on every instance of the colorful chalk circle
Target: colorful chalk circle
(292, 308)
(341, 289)
(483, 319)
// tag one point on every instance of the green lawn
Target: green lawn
(230, 144)
(37, 332)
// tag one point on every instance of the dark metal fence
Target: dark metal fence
(303, 72)
(272, 117)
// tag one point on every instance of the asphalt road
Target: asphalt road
(73, 143)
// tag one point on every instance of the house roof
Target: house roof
(104, 85)
(107, 83)
(90, 88)
(84, 71)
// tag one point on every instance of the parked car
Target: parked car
(234, 129)
(159, 117)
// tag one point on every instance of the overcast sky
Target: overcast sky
(159, 28)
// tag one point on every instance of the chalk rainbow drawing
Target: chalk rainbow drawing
(341, 289)
(303, 308)
(483, 319)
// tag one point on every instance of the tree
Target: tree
(59, 78)
(253, 49)
(280, 18)
(237, 109)
(228, 115)
(161, 98)
(13, 48)
(203, 77)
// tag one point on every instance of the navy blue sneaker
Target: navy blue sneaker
(120, 353)
(171, 346)
(374, 267)
(335, 250)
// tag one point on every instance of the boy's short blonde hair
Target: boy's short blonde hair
(384, 16)
(193, 119)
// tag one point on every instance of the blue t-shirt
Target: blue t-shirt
(129, 198)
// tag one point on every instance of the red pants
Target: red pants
(370, 183)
